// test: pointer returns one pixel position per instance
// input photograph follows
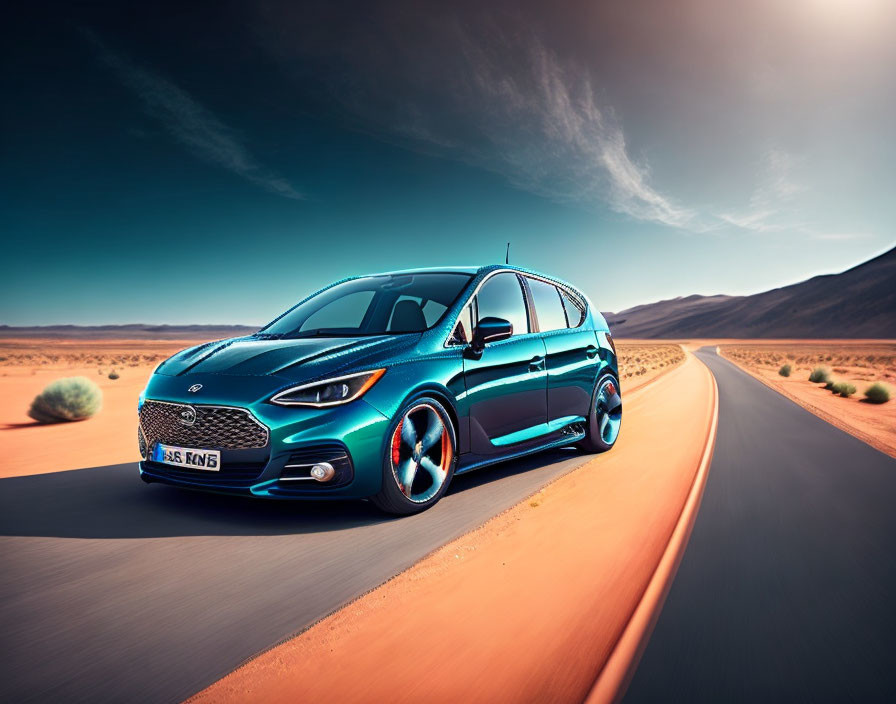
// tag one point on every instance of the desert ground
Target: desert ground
(28, 365)
(641, 361)
(856, 362)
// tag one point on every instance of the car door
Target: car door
(571, 352)
(506, 384)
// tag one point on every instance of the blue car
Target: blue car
(385, 387)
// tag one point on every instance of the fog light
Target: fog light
(323, 472)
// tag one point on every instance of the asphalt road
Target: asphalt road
(787, 588)
(113, 590)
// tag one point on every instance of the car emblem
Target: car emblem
(187, 415)
(194, 388)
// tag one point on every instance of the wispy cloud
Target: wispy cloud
(549, 135)
(770, 206)
(192, 124)
(488, 93)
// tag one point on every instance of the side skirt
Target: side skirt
(477, 462)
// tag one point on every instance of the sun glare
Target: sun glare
(850, 12)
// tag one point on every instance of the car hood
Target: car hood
(292, 360)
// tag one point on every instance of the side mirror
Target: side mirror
(490, 330)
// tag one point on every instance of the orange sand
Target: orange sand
(530, 606)
(640, 362)
(110, 437)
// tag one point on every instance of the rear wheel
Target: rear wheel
(419, 458)
(605, 419)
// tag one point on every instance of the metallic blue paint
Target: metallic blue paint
(501, 405)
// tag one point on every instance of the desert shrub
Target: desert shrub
(785, 370)
(73, 398)
(878, 393)
(819, 375)
(843, 389)
(113, 374)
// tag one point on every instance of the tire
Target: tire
(605, 415)
(421, 445)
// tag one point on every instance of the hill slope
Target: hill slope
(857, 303)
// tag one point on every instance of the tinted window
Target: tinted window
(502, 297)
(373, 305)
(575, 309)
(548, 306)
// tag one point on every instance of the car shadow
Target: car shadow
(112, 502)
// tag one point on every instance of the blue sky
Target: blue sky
(216, 163)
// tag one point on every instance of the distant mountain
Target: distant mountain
(135, 331)
(857, 303)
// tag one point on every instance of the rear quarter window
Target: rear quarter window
(574, 307)
(549, 307)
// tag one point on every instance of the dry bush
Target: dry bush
(637, 359)
(877, 393)
(75, 398)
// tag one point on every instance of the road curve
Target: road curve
(112, 589)
(786, 589)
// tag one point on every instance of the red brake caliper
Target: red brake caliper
(396, 445)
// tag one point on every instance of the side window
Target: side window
(502, 297)
(548, 305)
(575, 309)
(463, 331)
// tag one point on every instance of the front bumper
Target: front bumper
(294, 433)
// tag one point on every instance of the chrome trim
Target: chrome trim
(322, 382)
(311, 464)
(327, 464)
(267, 431)
(537, 277)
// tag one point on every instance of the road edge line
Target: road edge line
(616, 674)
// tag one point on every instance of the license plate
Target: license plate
(208, 460)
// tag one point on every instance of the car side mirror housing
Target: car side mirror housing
(490, 330)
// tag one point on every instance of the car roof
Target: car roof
(477, 270)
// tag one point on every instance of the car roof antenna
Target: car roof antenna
(507, 254)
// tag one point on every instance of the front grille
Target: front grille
(214, 427)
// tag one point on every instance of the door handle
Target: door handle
(591, 351)
(536, 364)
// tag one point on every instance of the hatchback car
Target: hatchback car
(385, 387)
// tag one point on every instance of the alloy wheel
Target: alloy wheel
(421, 441)
(609, 411)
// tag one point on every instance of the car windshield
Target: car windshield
(372, 305)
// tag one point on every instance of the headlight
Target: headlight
(329, 392)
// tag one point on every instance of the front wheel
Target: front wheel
(419, 458)
(605, 418)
